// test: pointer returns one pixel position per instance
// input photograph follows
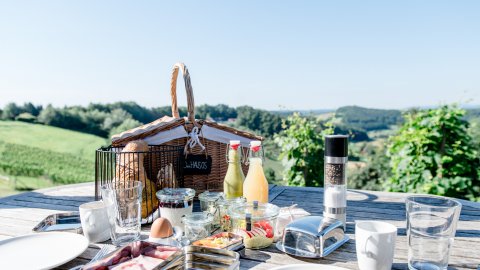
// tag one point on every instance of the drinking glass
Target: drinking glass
(431, 225)
(123, 201)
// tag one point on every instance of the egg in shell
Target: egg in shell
(161, 228)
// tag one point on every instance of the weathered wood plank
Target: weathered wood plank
(19, 213)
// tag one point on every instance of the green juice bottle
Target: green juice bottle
(233, 182)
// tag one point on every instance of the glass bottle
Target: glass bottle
(255, 187)
(233, 182)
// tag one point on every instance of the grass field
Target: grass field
(51, 138)
(35, 156)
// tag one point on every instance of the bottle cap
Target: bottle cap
(255, 145)
(234, 144)
(336, 145)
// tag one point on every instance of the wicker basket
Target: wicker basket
(160, 167)
(214, 137)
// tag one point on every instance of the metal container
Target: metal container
(312, 237)
(65, 222)
(232, 241)
(210, 258)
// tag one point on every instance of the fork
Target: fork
(107, 248)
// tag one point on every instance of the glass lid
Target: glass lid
(208, 196)
(176, 194)
(259, 211)
(198, 218)
(228, 202)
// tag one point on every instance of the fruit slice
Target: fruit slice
(244, 233)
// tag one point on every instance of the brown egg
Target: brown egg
(161, 228)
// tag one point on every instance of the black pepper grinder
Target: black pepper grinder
(335, 180)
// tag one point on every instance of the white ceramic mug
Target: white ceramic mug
(95, 225)
(375, 244)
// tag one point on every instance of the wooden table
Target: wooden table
(20, 213)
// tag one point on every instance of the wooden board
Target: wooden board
(20, 213)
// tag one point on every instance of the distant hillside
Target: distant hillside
(472, 113)
(368, 119)
(35, 156)
(51, 138)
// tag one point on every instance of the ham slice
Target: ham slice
(141, 263)
(136, 255)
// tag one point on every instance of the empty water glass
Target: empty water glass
(123, 201)
(431, 225)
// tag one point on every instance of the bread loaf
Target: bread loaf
(130, 168)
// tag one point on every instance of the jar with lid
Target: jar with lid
(208, 203)
(174, 203)
(198, 225)
(224, 217)
(255, 222)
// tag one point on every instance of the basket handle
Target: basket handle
(188, 88)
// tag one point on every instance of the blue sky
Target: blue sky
(268, 54)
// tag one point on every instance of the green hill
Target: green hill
(368, 119)
(35, 156)
(51, 138)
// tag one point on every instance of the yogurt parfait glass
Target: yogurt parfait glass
(175, 203)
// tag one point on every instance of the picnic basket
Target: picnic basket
(197, 137)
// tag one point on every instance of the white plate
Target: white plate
(309, 267)
(41, 251)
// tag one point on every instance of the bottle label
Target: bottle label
(335, 174)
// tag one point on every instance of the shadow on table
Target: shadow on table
(39, 200)
(404, 266)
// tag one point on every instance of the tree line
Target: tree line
(107, 119)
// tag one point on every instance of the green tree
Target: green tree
(302, 150)
(433, 153)
(127, 124)
(374, 171)
(10, 111)
(261, 121)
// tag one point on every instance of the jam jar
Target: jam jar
(198, 225)
(224, 217)
(208, 203)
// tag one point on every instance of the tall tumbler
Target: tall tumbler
(431, 225)
(123, 201)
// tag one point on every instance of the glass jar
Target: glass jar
(224, 217)
(198, 225)
(255, 222)
(174, 203)
(208, 203)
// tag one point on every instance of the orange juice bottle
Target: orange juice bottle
(255, 187)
